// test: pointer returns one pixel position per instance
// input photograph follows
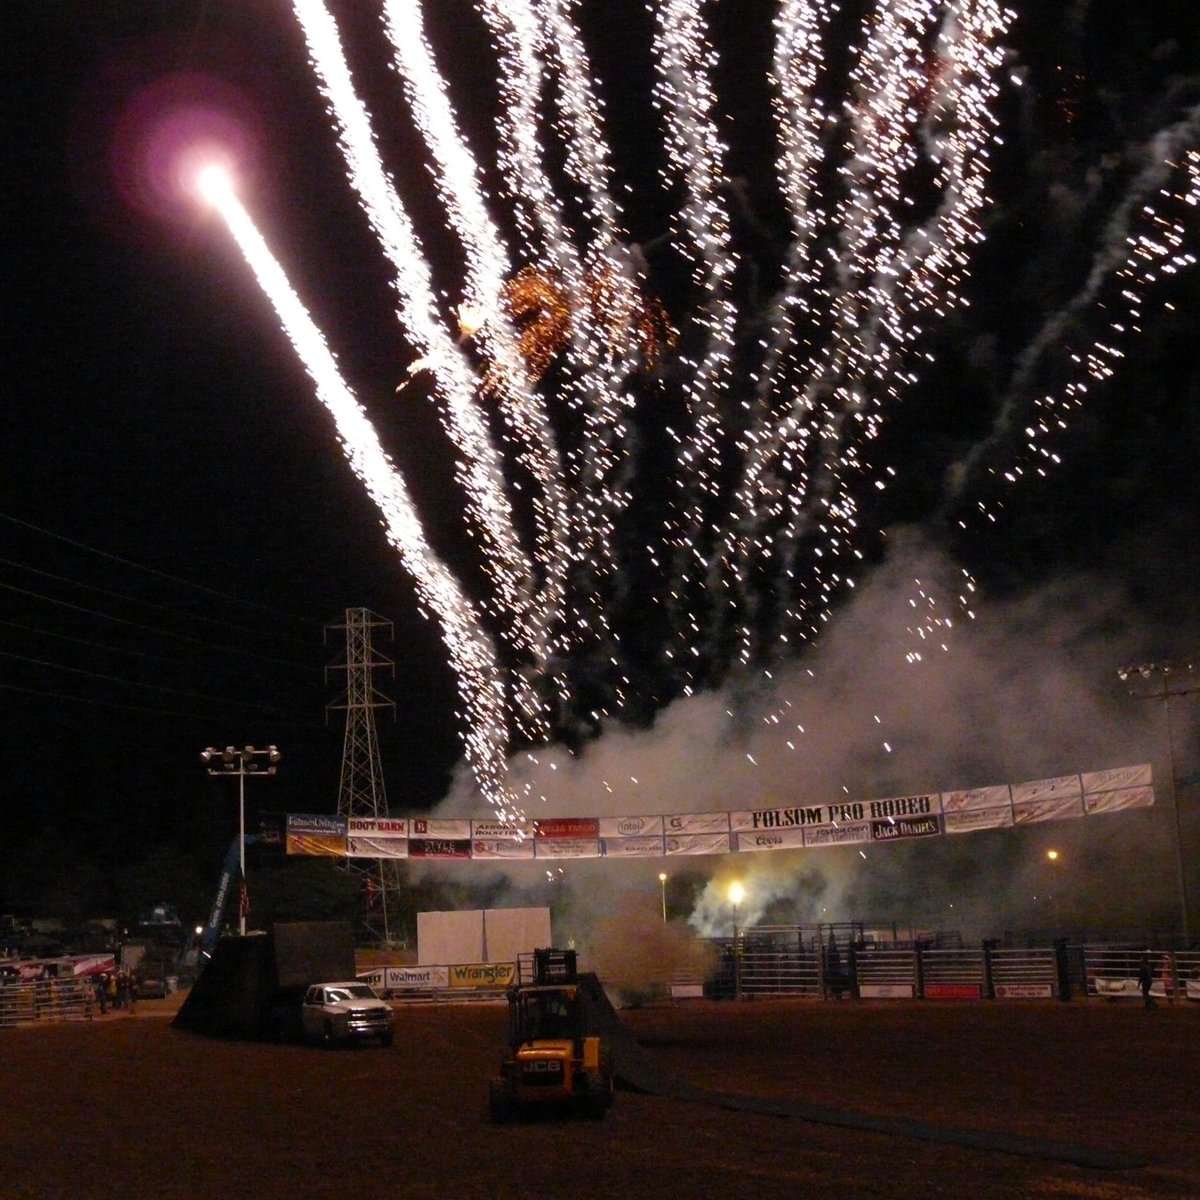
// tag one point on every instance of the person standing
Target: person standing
(1146, 980)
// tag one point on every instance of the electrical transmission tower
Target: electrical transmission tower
(361, 791)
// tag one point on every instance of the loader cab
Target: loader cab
(544, 1014)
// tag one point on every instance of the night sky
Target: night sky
(177, 523)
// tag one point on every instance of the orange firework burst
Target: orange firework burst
(539, 307)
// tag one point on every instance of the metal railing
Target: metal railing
(46, 1000)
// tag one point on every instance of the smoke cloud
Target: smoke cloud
(1026, 689)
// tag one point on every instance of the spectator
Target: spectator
(1146, 980)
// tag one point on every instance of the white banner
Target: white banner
(377, 847)
(696, 823)
(980, 818)
(618, 827)
(698, 843)
(632, 847)
(838, 835)
(973, 798)
(567, 848)
(437, 827)
(378, 827)
(1062, 808)
(1118, 800)
(404, 978)
(1117, 777)
(776, 839)
(1046, 789)
(501, 848)
(514, 830)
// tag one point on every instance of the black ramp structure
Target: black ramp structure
(636, 1068)
(252, 986)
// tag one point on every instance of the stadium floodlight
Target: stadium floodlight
(241, 762)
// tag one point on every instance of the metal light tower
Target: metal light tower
(1162, 681)
(361, 791)
(241, 761)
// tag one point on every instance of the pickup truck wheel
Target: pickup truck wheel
(327, 1033)
(385, 1039)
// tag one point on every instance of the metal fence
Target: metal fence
(46, 1000)
(781, 962)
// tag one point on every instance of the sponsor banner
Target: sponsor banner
(378, 827)
(433, 827)
(376, 847)
(632, 847)
(776, 839)
(915, 827)
(397, 979)
(838, 835)
(953, 991)
(804, 815)
(973, 798)
(439, 847)
(1047, 789)
(1063, 808)
(501, 848)
(322, 824)
(683, 823)
(615, 827)
(567, 848)
(1023, 991)
(490, 830)
(567, 827)
(1118, 800)
(885, 991)
(483, 975)
(970, 820)
(1117, 777)
(310, 843)
(697, 843)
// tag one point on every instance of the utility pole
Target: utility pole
(1164, 681)
(361, 791)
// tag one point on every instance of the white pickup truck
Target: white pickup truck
(340, 1012)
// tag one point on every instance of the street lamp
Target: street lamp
(1161, 681)
(1052, 857)
(241, 761)
(662, 883)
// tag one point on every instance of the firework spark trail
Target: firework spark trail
(521, 42)
(487, 270)
(696, 155)
(1136, 259)
(605, 362)
(803, 470)
(472, 655)
(478, 463)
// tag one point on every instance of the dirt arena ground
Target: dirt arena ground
(126, 1106)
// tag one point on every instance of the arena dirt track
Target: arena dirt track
(129, 1107)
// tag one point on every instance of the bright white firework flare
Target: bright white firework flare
(471, 652)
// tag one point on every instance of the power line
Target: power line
(154, 687)
(143, 708)
(91, 587)
(200, 587)
(154, 629)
